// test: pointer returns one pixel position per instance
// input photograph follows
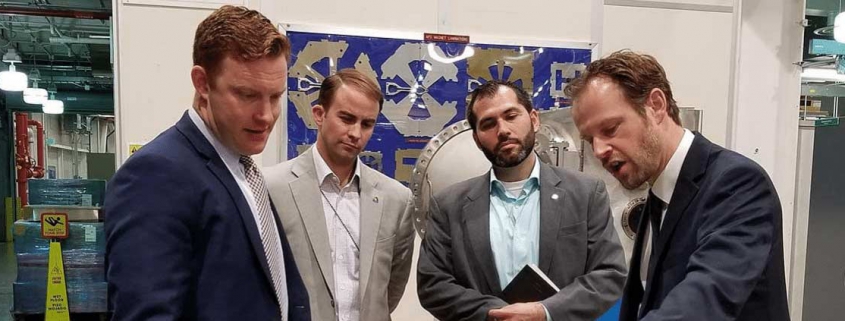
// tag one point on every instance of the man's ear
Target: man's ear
(199, 77)
(319, 114)
(656, 102)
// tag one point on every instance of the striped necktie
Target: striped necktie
(269, 233)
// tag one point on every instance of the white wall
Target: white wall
(764, 124)
(527, 19)
(803, 183)
(694, 48)
(154, 46)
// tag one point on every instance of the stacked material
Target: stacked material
(67, 192)
(83, 253)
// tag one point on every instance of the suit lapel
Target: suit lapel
(686, 188)
(372, 205)
(218, 168)
(551, 205)
(476, 220)
(306, 195)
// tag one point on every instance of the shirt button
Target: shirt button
(341, 257)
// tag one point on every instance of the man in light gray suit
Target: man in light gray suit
(483, 231)
(349, 226)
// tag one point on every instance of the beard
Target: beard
(646, 159)
(505, 160)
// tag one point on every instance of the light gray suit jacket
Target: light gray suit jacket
(579, 249)
(387, 236)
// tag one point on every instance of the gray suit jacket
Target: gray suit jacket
(387, 236)
(579, 249)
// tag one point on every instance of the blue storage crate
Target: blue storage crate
(69, 192)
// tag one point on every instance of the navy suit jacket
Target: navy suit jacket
(719, 255)
(181, 240)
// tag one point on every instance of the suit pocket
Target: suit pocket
(380, 272)
(571, 248)
(574, 229)
(386, 239)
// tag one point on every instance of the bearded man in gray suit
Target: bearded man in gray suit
(483, 231)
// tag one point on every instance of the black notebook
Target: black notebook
(529, 285)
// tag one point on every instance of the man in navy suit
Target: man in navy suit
(190, 229)
(709, 245)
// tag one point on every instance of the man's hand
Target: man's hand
(533, 311)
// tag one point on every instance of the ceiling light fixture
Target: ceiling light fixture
(11, 56)
(12, 80)
(839, 27)
(35, 96)
(53, 106)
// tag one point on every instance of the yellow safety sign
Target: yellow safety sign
(134, 148)
(54, 226)
(56, 303)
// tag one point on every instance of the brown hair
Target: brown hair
(637, 74)
(239, 33)
(353, 78)
(490, 89)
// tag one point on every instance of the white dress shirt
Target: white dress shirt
(344, 234)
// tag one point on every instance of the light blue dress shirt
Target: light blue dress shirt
(515, 225)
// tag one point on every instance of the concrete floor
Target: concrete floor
(8, 273)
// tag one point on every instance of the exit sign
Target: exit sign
(826, 122)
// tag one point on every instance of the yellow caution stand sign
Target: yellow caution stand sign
(54, 226)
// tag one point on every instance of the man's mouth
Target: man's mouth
(615, 166)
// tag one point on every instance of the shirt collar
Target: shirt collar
(533, 181)
(231, 158)
(324, 172)
(664, 186)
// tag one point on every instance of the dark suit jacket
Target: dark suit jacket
(579, 249)
(719, 255)
(181, 240)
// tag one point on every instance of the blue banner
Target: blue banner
(426, 86)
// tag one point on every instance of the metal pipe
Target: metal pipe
(22, 159)
(38, 170)
(43, 12)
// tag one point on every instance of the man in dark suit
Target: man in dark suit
(190, 230)
(709, 245)
(483, 231)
